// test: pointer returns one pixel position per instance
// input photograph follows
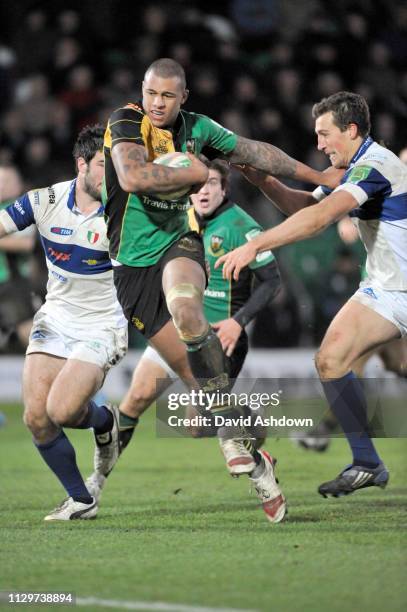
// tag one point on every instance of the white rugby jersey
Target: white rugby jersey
(80, 287)
(377, 179)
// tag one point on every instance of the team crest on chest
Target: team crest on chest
(216, 245)
(190, 145)
(93, 237)
(162, 147)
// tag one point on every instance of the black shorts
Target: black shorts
(140, 292)
(236, 360)
(15, 303)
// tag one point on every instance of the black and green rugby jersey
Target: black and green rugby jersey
(142, 227)
(226, 229)
(13, 265)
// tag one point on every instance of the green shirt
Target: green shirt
(228, 228)
(14, 264)
(142, 227)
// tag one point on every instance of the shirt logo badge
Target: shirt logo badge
(93, 237)
(369, 291)
(137, 323)
(62, 231)
(191, 145)
(215, 248)
(358, 174)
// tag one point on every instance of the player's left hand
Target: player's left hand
(234, 261)
(331, 177)
(228, 332)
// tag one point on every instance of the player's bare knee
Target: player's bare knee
(63, 415)
(189, 319)
(38, 423)
(326, 363)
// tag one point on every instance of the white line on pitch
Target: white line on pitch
(158, 606)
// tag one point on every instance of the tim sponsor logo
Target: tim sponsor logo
(62, 231)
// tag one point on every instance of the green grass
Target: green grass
(174, 527)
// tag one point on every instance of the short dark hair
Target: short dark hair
(222, 167)
(89, 142)
(346, 108)
(167, 68)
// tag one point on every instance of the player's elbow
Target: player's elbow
(127, 184)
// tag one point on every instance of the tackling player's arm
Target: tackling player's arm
(136, 175)
(287, 200)
(3, 231)
(303, 224)
(16, 244)
(268, 158)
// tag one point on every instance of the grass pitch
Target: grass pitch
(174, 527)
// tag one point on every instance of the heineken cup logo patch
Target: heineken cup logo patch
(358, 174)
(93, 237)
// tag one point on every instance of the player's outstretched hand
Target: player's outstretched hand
(234, 261)
(331, 177)
(228, 332)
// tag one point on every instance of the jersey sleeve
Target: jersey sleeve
(249, 229)
(216, 136)
(20, 214)
(321, 192)
(364, 180)
(124, 126)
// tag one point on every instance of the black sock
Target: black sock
(208, 363)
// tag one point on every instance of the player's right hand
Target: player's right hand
(199, 170)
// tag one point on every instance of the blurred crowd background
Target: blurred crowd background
(256, 66)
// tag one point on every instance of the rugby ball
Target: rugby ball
(174, 160)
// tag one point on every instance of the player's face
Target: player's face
(162, 99)
(94, 176)
(210, 196)
(339, 146)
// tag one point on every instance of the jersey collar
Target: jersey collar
(362, 150)
(203, 221)
(71, 196)
(71, 201)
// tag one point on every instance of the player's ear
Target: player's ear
(353, 129)
(81, 165)
(185, 96)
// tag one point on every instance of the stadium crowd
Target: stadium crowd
(255, 65)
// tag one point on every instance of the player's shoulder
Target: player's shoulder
(378, 162)
(51, 194)
(198, 119)
(242, 218)
(132, 111)
(378, 157)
